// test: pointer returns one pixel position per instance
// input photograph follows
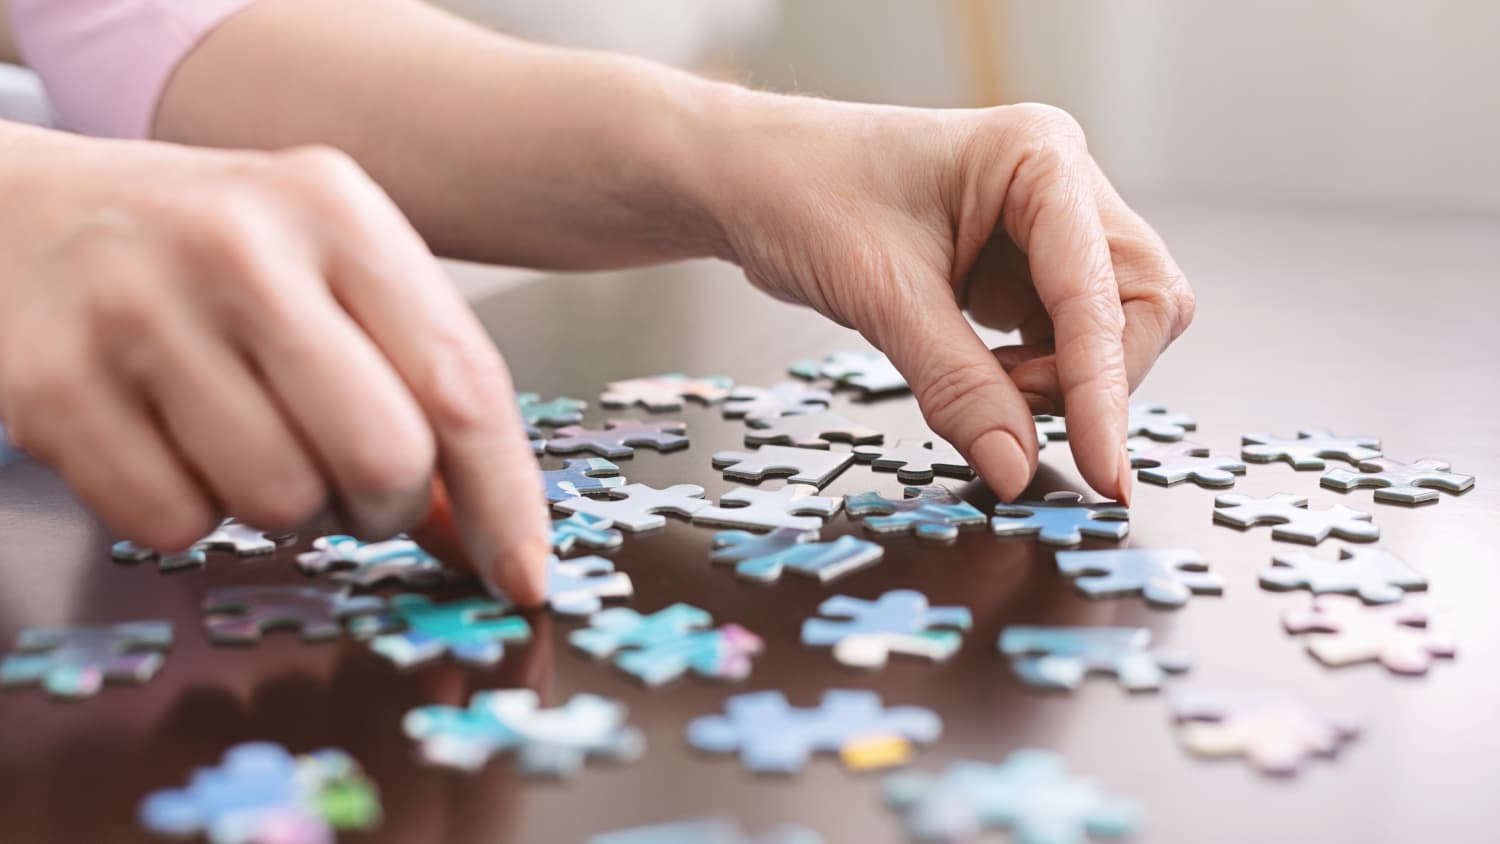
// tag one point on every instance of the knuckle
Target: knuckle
(1047, 123)
(282, 506)
(326, 170)
(390, 469)
(464, 380)
(1185, 304)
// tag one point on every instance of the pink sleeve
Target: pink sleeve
(105, 63)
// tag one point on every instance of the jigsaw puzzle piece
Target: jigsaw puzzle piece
(638, 507)
(785, 398)
(1377, 576)
(231, 536)
(553, 413)
(1049, 429)
(588, 476)
(579, 586)
(1292, 521)
(1341, 631)
(369, 564)
(587, 530)
(803, 465)
(1163, 576)
(1273, 732)
(869, 371)
(931, 512)
(1056, 657)
(415, 630)
(809, 430)
(1402, 483)
(1061, 518)
(665, 392)
(1167, 464)
(796, 506)
(76, 662)
(1309, 449)
(763, 557)
(240, 615)
(665, 645)
(916, 461)
(1155, 421)
(1031, 793)
(863, 633)
(620, 438)
(706, 831)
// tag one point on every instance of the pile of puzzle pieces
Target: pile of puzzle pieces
(1359, 611)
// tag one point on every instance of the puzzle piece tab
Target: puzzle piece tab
(1341, 631)
(547, 742)
(76, 662)
(863, 634)
(1309, 449)
(415, 630)
(813, 466)
(369, 564)
(763, 557)
(587, 530)
(1403, 483)
(1061, 518)
(239, 615)
(869, 371)
(1374, 574)
(796, 506)
(706, 831)
(1031, 794)
(785, 398)
(665, 392)
(931, 512)
(916, 461)
(1056, 657)
(1292, 521)
(773, 737)
(638, 507)
(231, 536)
(664, 645)
(554, 413)
(1155, 421)
(1272, 731)
(620, 438)
(588, 476)
(1163, 576)
(1171, 463)
(809, 430)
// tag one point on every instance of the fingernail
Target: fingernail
(1126, 477)
(1002, 463)
(525, 570)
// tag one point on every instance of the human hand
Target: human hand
(894, 221)
(185, 333)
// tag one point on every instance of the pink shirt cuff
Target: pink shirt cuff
(105, 63)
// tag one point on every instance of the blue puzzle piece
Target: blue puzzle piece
(900, 621)
(584, 529)
(1031, 793)
(1061, 518)
(1054, 657)
(554, 413)
(369, 564)
(773, 737)
(763, 557)
(931, 512)
(1164, 576)
(585, 476)
(578, 586)
(1156, 422)
(705, 831)
(416, 630)
(75, 662)
(665, 645)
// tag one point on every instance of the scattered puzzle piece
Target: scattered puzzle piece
(547, 742)
(578, 586)
(1273, 732)
(1374, 574)
(369, 564)
(638, 507)
(666, 644)
(555, 413)
(1403, 483)
(588, 476)
(620, 438)
(809, 430)
(76, 662)
(587, 530)
(793, 506)
(705, 831)
(870, 371)
(763, 557)
(1061, 518)
(931, 512)
(804, 465)
(230, 536)
(261, 794)
(785, 398)
(1049, 429)
(1309, 448)
(416, 630)
(915, 461)
(1154, 421)
(1290, 519)
(773, 737)
(1031, 794)
(665, 392)
(240, 614)
(866, 633)
(1054, 657)
(1341, 631)
(1167, 464)
(1164, 576)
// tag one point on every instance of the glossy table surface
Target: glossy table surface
(1383, 325)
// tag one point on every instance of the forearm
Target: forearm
(496, 149)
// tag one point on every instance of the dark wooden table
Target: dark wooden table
(1361, 324)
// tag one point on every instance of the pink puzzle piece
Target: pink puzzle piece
(1274, 733)
(1341, 630)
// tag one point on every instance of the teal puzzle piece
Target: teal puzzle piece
(416, 630)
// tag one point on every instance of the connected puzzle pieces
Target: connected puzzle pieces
(1031, 793)
(239, 615)
(1061, 518)
(1309, 449)
(795, 506)
(587, 476)
(869, 371)
(784, 398)
(415, 630)
(1163, 576)
(620, 438)
(863, 634)
(1167, 464)
(916, 461)
(802, 465)
(705, 831)
(547, 742)
(1402, 483)
(1339, 630)
(1156, 422)
(931, 512)
(584, 529)
(1292, 521)
(1061, 657)
(230, 536)
(665, 392)
(638, 507)
(763, 557)
(369, 564)
(76, 662)
(773, 737)
(809, 430)
(664, 645)
(260, 794)
(1274, 733)
(1376, 575)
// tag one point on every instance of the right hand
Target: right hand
(186, 333)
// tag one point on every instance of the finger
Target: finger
(998, 292)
